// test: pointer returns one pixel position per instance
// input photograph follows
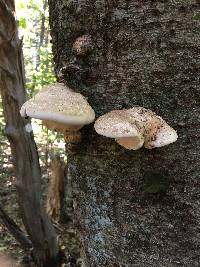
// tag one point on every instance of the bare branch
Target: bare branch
(14, 229)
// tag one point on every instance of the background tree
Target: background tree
(34, 28)
(144, 53)
(23, 148)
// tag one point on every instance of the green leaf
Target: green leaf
(22, 23)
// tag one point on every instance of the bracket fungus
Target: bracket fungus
(135, 127)
(83, 45)
(60, 109)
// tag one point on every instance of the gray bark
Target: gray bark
(23, 148)
(144, 53)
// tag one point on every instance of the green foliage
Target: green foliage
(22, 23)
(43, 75)
(37, 48)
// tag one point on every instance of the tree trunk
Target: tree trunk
(55, 198)
(24, 151)
(144, 53)
(42, 32)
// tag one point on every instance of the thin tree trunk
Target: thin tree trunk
(42, 32)
(47, 36)
(55, 197)
(145, 53)
(23, 148)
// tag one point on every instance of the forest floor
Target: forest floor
(8, 200)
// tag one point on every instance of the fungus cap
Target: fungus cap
(163, 136)
(156, 131)
(115, 124)
(58, 104)
(139, 123)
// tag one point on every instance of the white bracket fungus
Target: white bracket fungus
(60, 108)
(135, 127)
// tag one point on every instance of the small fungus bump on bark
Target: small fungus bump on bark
(135, 127)
(82, 45)
(28, 128)
(60, 109)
